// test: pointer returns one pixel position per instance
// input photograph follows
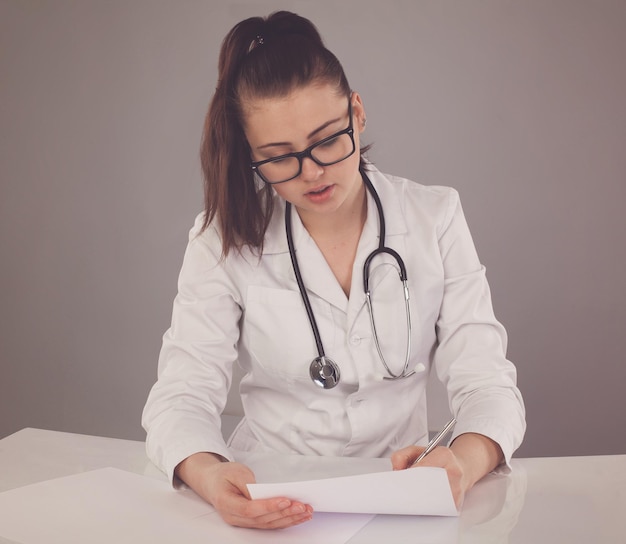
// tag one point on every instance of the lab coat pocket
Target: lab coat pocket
(277, 331)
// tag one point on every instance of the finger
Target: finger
(290, 521)
(268, 513)
(238, 476)
(405, 457)
(280, 523)
(295, 514)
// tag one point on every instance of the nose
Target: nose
(311, 171)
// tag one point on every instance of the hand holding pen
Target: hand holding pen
(410, 456)
(466, 461)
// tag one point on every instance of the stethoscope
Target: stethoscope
(324, 371)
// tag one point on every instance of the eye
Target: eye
(330, 142)
(278, 160)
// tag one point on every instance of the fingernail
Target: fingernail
(284, 504)
(298, 509)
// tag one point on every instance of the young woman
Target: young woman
(292, 272)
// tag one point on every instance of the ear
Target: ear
(358, 112)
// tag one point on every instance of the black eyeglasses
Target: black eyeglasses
(331, 150)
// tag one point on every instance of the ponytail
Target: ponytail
(259, 58)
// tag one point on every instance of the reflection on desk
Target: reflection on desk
(567, 499)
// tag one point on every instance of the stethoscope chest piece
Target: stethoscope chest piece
(324, 372)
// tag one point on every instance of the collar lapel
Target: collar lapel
(317, 276)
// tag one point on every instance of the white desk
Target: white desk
(551, 500)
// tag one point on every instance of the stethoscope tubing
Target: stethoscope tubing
(300, 281)
(403, 277)
(325, 372)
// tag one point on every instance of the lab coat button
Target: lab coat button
(355, 340)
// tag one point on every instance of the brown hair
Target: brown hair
(259, 58)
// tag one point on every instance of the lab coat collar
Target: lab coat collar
(395, 221)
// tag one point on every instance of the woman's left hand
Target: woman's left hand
(439, 457)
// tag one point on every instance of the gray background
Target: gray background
(520, 105)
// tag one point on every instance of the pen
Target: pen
(433, 443)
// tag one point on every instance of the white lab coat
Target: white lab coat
(247, 309)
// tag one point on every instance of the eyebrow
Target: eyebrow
(309, 136)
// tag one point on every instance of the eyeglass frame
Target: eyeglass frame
(301, 155)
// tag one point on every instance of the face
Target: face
(276, 126)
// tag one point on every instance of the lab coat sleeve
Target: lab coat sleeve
(470, 358)
(182, 415)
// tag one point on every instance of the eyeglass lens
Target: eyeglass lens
(328, 151)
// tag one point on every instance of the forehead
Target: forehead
(298, 113)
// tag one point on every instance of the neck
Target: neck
(337, 236)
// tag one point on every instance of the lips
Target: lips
(320, 194)
(319, 190)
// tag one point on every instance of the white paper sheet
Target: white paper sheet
(110, 505)
(417, 491)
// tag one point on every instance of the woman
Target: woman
(272, 279)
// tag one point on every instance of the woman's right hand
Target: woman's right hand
(224, 486)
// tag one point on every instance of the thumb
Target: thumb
(239, 479)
